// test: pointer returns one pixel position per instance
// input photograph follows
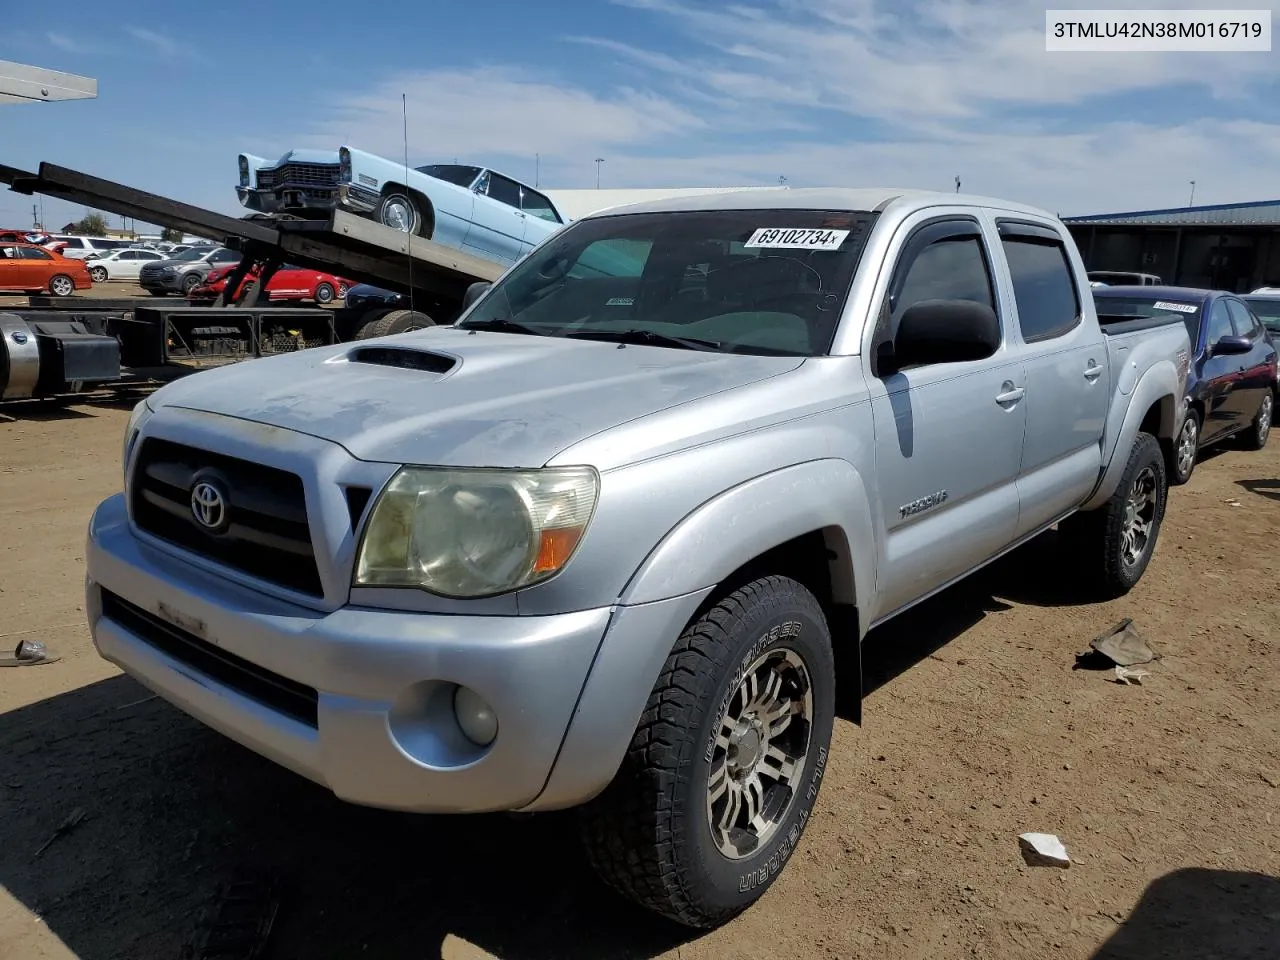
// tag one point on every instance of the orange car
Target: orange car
(32, 269)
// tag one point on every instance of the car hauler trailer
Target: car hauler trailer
(45, 348)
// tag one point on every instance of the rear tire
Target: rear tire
(1181, 461)
(61, 285)
(724, 768)
(396, 321)
(1255, 438)
(1114, 543)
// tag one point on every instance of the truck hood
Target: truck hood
(453, 397)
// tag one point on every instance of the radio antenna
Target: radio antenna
(404, 113)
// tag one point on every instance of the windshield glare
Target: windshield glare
(698, 275)
(193, 254)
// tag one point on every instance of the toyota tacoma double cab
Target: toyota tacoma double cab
(597, 543)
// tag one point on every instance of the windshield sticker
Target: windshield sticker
(620, 302)
(1179, 307)
(797, 238)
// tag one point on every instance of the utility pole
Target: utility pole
(782, 180)
(1192, 201)
(35, 217)
(957, 183)
(537, 169)
(599, 160)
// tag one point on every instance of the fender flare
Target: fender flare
(725, 532)
(1159, 384)
(678, 576)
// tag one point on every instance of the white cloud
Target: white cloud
(847, 92)
(65, 43)
(163, 44)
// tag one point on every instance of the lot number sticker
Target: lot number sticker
(797, 238)
(1179, 307)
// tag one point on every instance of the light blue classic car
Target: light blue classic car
(466, 207)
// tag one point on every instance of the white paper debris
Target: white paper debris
(796, 238)
(1043, 849)
(1126, 675)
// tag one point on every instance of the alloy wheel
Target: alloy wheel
(1139, 518)
(758, 758)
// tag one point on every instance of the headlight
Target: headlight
(136, 416)
(344, 165)
(244, 170)
(475, 533)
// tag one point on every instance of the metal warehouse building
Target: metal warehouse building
(1230, 246)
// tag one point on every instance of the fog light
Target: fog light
(475, 716)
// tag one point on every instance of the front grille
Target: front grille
(266, 178)
(306, 175)
(264, 532)
(279, 693)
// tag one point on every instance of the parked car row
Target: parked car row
(1231, 383)
(32, 269)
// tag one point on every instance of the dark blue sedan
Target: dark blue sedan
(1231, 384)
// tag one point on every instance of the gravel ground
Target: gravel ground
(976, 728)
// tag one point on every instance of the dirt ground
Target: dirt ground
(109, 290)
(976, 729)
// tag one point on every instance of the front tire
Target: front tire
(399, 211)
(190, 282)
(98, 274)
(1255, 438)
(1115, 542)
(725, 765)
(324, 293)
(1181, 462)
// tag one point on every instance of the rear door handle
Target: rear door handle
(1092, 372)
(1010, 394)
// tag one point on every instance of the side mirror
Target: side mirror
(1232, 346)
(945, 331)
(474, 293)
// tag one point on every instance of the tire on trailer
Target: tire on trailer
(738, 723)
(405, 210)
(324, 292)
(1181, 460)
(1114, 542)
(396, 321)
(1255, 438)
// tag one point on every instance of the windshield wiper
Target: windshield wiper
(500, 325)
(647, 338)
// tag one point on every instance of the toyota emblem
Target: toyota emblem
(209, 505)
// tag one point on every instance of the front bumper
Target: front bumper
(378, 728)
(167, 283)
(288, 197)
(358, 199)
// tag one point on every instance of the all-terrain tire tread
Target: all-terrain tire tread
(627, 841)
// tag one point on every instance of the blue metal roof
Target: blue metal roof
(1253, 213)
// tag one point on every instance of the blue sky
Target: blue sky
(669, 92)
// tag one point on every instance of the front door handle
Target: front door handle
(1009, 393)
(1092, 372)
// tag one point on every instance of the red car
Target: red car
(32, 269)
(287, 283)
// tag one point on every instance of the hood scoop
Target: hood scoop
(404, 357)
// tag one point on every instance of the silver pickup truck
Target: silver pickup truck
(597, 543)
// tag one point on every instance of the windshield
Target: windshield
(743, 281)
(457, 173)
(193, 254)
(1185, 310)
(1267, 309)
